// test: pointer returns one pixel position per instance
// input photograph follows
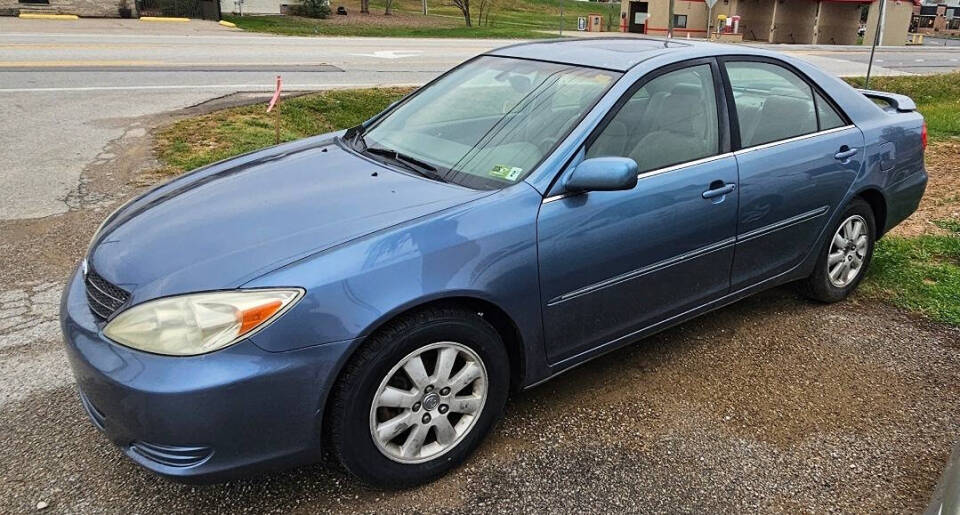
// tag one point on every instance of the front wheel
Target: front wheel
(845, 256)
(418, 397)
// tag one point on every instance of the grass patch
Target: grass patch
(199, 141)
(921, 274)
(542, 14)
(937, 98)
(297, 26)
(519, 19)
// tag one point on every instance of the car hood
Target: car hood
(234, 221)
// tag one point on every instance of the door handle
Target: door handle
(718, 189)
(845, 153)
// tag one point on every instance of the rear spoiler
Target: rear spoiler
(901, 103)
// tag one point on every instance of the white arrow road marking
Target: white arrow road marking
(392, 54)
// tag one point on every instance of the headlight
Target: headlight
(198, 323)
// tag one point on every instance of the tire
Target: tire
(377, 369)
(823, 287)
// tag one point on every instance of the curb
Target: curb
(228, 24)
(38, 16)
(163, 18)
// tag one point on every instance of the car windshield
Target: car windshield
(488, 123)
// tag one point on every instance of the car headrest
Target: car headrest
(694, 90)
(678, 112)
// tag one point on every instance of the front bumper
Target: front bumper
(200, 418)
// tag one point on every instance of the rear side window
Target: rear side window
(829, 119)
(672, 119)
(772, 102)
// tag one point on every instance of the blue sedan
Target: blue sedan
(378, 292)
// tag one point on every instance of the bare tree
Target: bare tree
(483, 4)
(387, 11)
(464, 6)
(364, 6)
(483, 17)
(490, 6)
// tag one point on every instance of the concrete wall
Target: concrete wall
(794, 21)
(254, 6)
(898, 14)
(838, 23)
(755, 19)
(696, 12)
(83, 8)
(778, 21)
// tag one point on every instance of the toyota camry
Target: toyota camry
(375, 294)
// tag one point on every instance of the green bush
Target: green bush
(314, 8)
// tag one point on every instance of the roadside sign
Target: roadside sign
(581, 23)
(711, 3)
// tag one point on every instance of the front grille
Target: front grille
(104, 298)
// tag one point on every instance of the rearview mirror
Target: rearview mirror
(603, 174)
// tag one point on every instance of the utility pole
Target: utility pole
(561, 18)
(670, 21)
(876, 41)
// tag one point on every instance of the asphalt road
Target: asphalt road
(913, 61)
(934, 41)
(69, 88)
(774, 404)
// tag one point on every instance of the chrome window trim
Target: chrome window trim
(708, 159)
(793, 139)
(658, 171)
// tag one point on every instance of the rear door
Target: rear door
(615, 262)
(797, 155)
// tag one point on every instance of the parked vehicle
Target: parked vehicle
(946, 497)
(379, 291)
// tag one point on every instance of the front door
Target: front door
(798, 157)
(612, 263)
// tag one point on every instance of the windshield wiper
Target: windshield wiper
(409, 162)
(355, 135)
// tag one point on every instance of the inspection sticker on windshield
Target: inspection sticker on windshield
(506, 172)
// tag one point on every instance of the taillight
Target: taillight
(923, 136)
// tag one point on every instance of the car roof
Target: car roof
(612, 53)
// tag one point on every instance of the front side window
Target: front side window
(772, 102)
(671, 119)
(488, 123)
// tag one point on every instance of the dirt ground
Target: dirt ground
(942, 198)
(774, 404)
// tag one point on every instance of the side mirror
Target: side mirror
(603, 174)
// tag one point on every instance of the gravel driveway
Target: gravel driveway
(773, 404)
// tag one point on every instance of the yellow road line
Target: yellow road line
(39, 16)
(162, 18)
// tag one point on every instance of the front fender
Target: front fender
(485, 249)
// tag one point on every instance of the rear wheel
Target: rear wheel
(418, 397)
(845, 256)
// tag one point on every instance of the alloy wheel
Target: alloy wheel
(418, 415)
(848, 248)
